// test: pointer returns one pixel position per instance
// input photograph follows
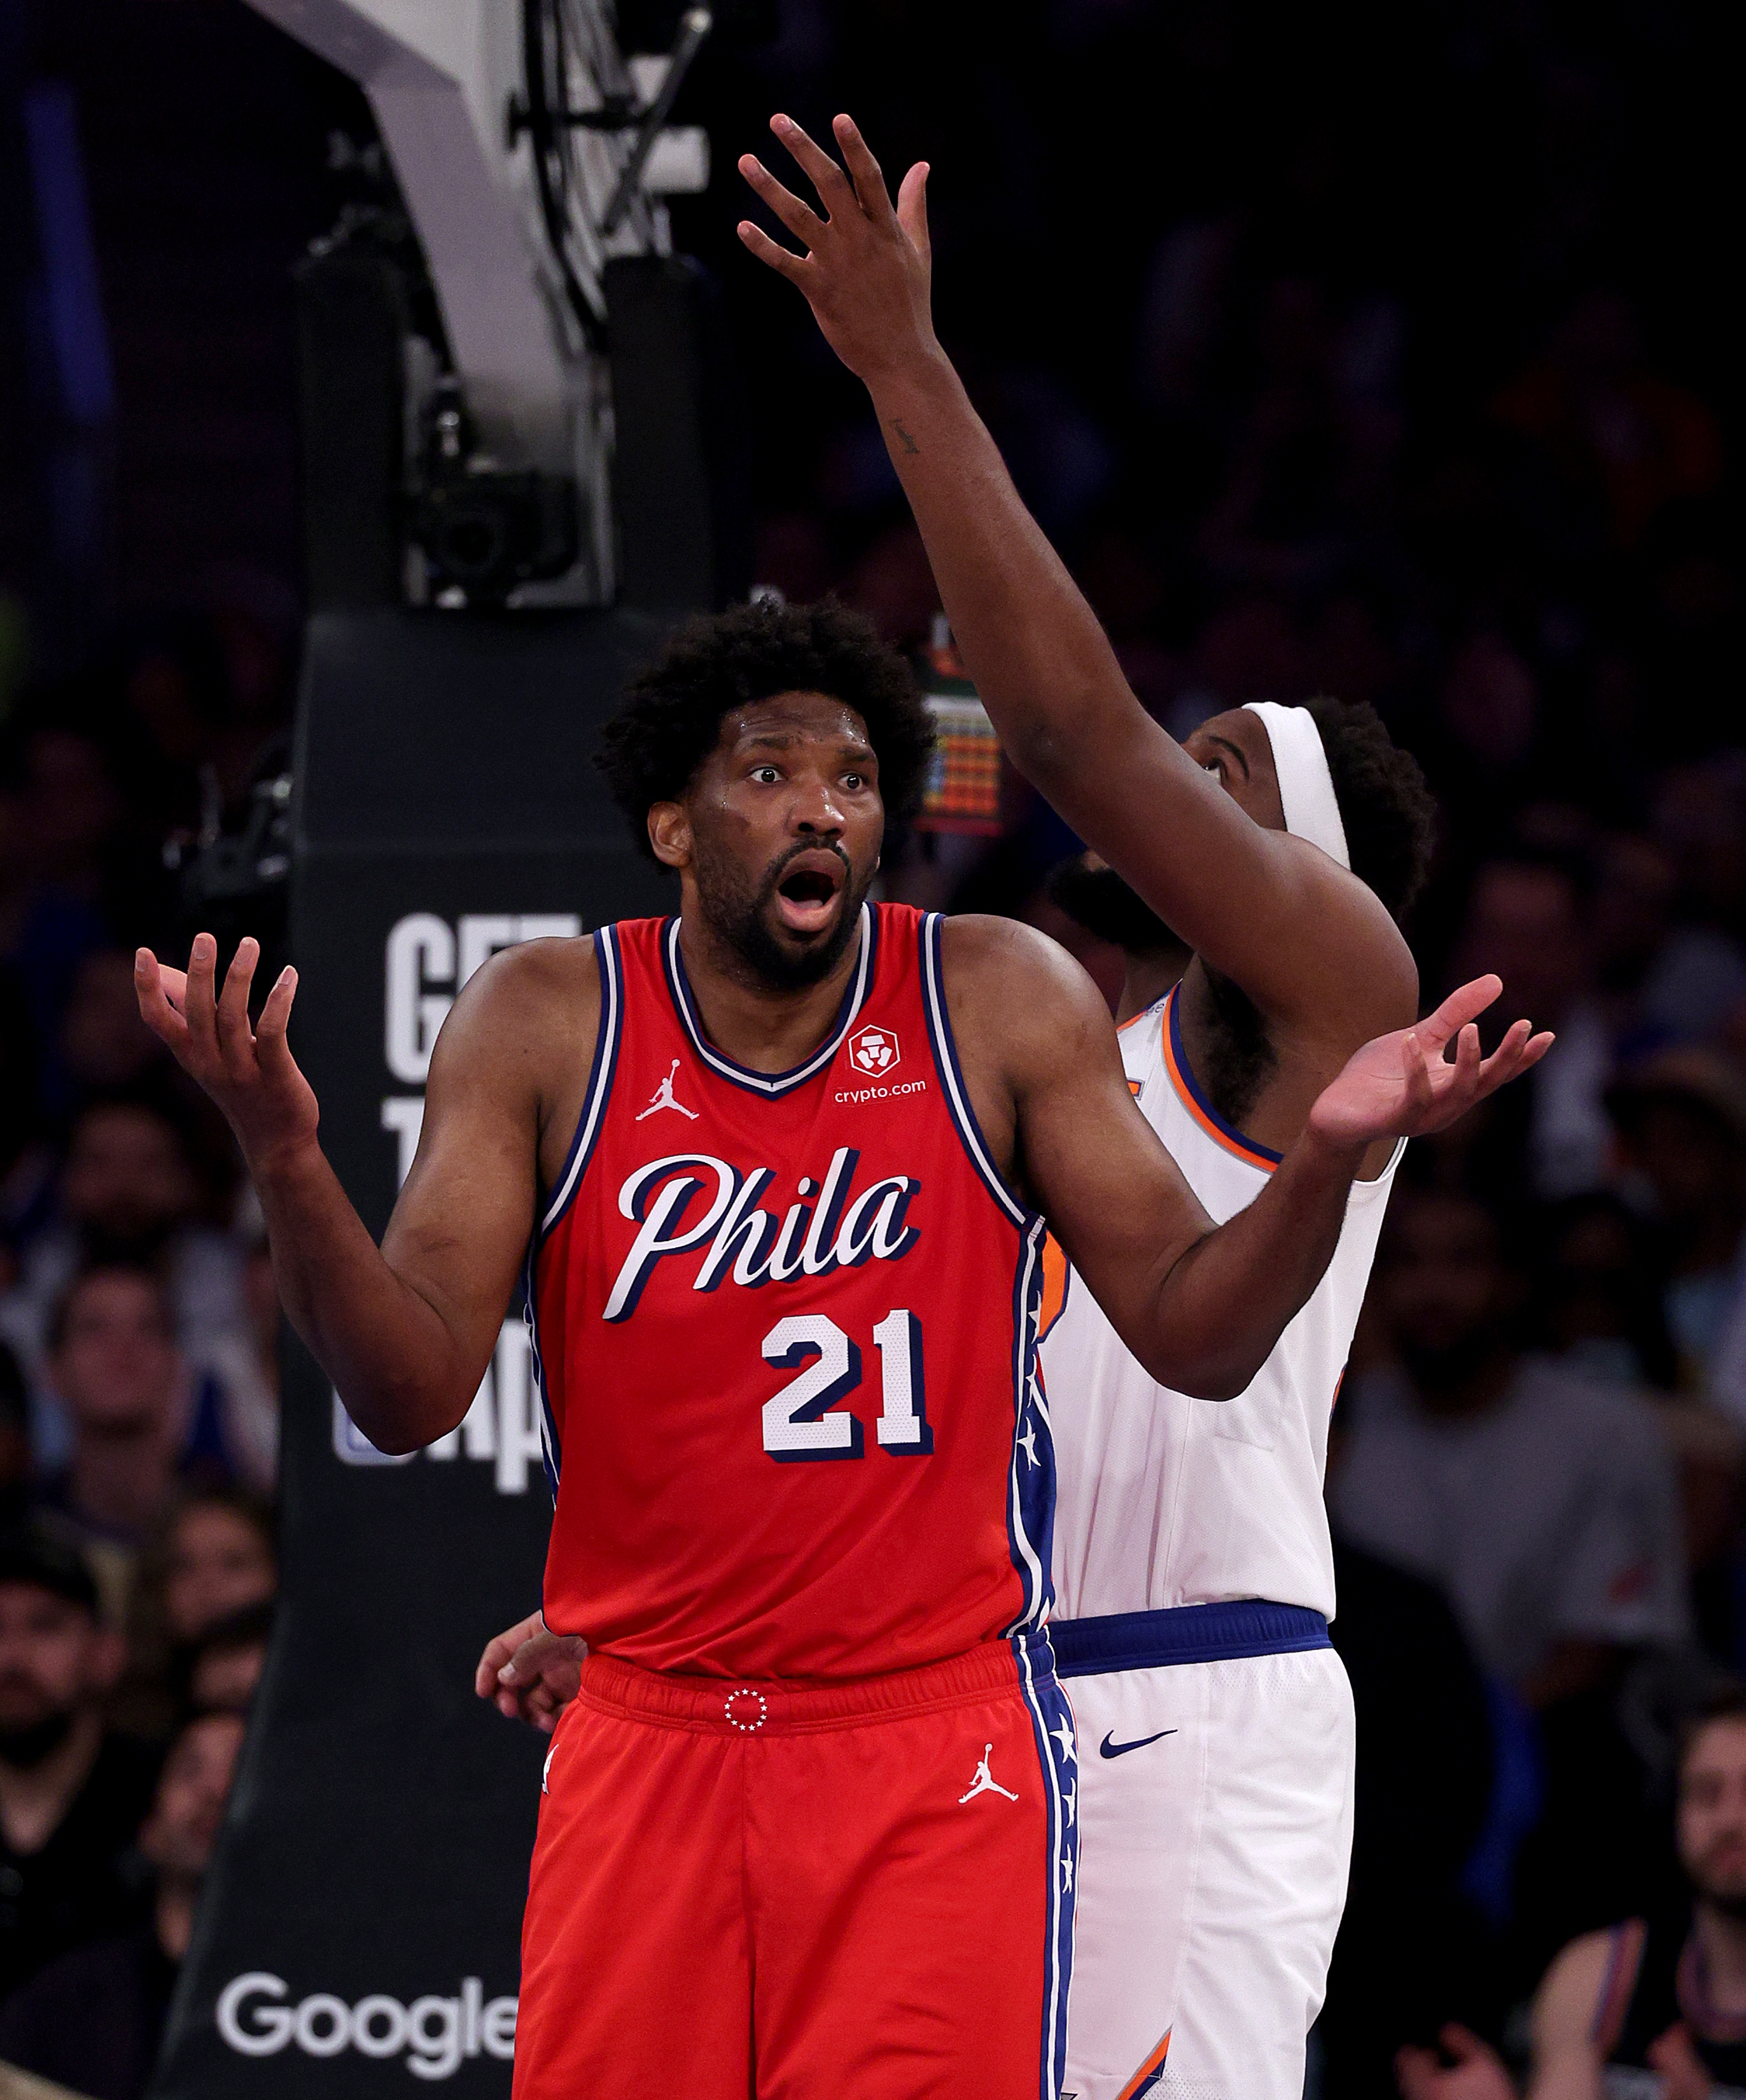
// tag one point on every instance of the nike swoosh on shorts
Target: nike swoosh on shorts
(1110, 1748)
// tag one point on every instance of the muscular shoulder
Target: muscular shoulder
(523, 1018)
(1005, 961)
(1568, 2002)
(1010, 987)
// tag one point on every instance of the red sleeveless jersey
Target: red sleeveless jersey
(785, 1332)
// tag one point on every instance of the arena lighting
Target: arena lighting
(531, 153)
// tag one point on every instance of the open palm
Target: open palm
(1403, 1085)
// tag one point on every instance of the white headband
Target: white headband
(1306, 786)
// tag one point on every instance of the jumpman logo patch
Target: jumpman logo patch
(985, 1781)
(663, 1098)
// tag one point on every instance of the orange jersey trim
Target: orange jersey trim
(1149, 2073)
(1056, 1271)
(1202, 1110)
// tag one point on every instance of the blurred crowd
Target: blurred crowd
(138, 1347)
(1418, 397)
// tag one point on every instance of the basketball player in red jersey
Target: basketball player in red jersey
(778, 1167)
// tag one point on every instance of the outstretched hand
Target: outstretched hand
(530, 1675)
(1402, 1085)
(1477, 2072)
(867, 267)
(249, 1071)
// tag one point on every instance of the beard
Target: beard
(1100, 901)
(738, 915)
(1721, 1886)
(26, 1747)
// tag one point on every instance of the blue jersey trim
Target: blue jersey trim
(1189, 1633)
(1174, 1006)
(588, 1126)
(1030, 1495)
(952, 1078)
(606, 1042)
(769, 1085)
(551, 1450)
(1052, 1722)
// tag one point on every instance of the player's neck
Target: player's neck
(765, 1027)
(1721, 1941)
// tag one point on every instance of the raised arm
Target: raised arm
(1201, 1307)
(1303, 939)
(405, 1332)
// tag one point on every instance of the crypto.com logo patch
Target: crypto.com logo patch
(875, 1051)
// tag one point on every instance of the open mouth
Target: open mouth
(806, 898)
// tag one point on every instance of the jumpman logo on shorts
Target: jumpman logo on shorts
(985, 1781)
(663, 1098)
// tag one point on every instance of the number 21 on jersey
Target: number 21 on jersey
(798, 1423)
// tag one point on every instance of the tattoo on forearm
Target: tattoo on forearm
(910, 445)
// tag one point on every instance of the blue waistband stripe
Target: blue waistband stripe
(1190, 1633)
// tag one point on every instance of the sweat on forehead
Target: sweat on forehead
(787, 719)
(715, 667)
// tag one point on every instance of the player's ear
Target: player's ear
(670, 833)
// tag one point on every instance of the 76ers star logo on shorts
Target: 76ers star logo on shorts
(875, 1051)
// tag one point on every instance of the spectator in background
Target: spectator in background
(1527, 919)
(94, 2019)
(56, 807)
(1597, 1289)
(72, 1794)
(27, 1159)
(1663, 1996)
(1625, 441)
(1598, 1283)
(1681, 1121)
(224, 1666)
(15, 1438)
(1413, 1950)
(128, 1194)
(106, 1049)
(1545, 1507)
(1540, 1502)
(211, 1564)
(115, 1366)
(1698, 814)
(220, 1561)
(243, 1366)
(1659, 981)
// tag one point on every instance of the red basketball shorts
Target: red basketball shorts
(857, 1892)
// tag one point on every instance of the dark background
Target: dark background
(1387, 352)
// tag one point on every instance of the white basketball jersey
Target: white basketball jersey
(1163, 1500)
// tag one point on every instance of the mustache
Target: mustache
(773, 875)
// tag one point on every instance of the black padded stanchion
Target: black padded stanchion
(361, 1925)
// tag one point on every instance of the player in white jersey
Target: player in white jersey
(1214, 1724)
(1194, 1583)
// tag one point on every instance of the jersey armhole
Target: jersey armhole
(1194, 1098)
(1623, 1961)
(952, 1078)
(1057, 1282)
(599, 1082)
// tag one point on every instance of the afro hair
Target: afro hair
(672, 711)
(1387, 811)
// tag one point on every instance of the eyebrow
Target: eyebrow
(1236, 750)
(778, 739)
